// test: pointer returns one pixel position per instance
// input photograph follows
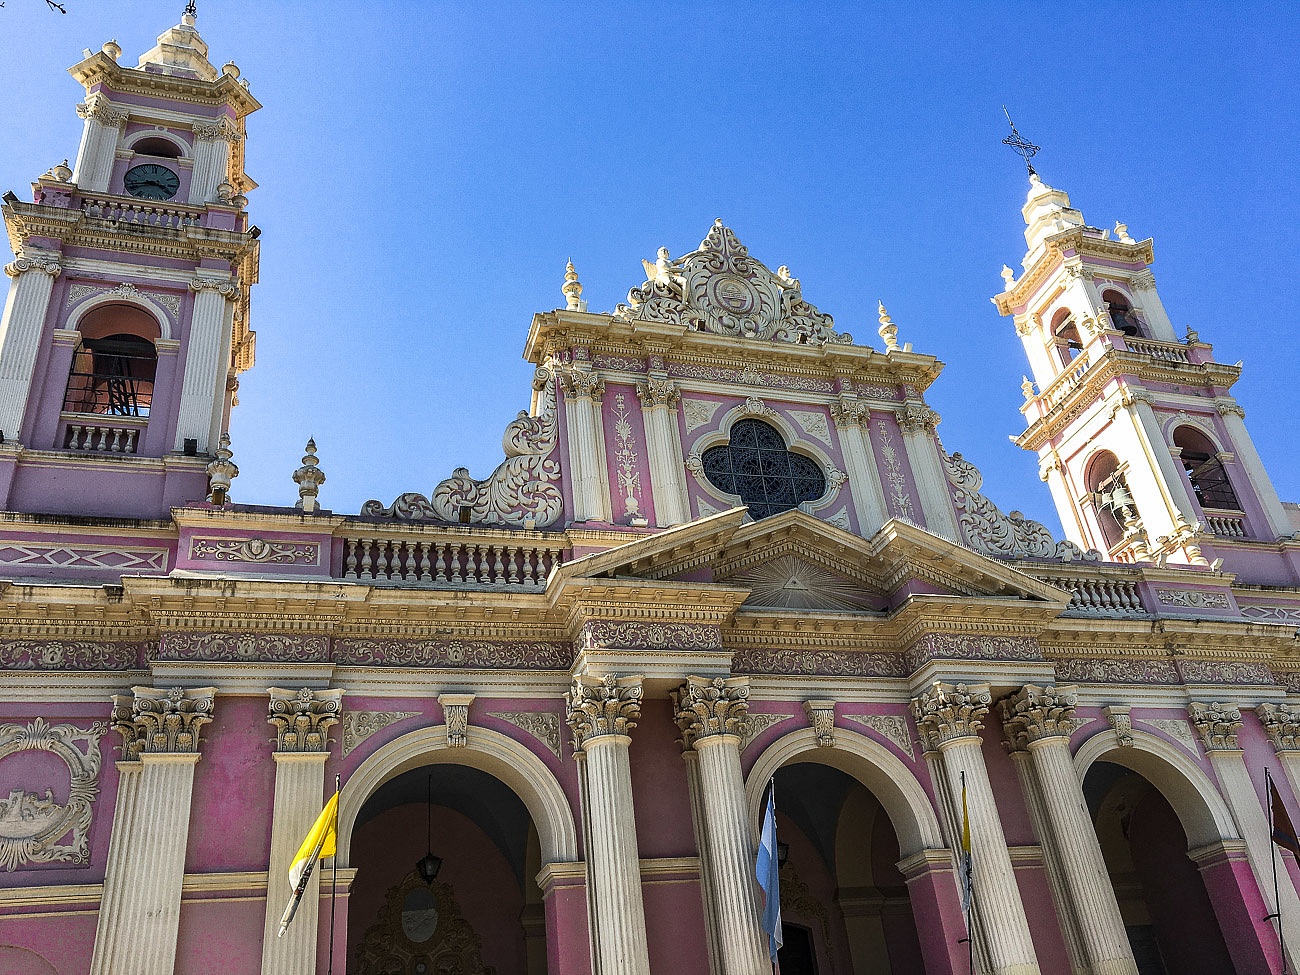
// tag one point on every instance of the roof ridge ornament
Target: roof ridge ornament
(719, 288)
(1021, 147)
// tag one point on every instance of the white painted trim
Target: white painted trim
(139, 300)
(157, 133)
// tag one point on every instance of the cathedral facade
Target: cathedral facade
(725, 550)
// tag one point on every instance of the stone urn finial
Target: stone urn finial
(309, 477)
(221, 472)
(888, 330)
(572, 289)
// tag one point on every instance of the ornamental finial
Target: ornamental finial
(309, 477)
(221, 472)
(1027, 387)
(1008, 277)
(1122, 234)
(888, 330)
(1021, 147)
(572, 290)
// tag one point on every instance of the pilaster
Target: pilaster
(659, 401)
(851, 418)
(1282, 725)
(583, 390)
(211, 158)
(21, 327)
(99, 139)
(207, 355)
(602, 713)
(918, 423)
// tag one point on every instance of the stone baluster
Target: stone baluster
(207, 356)
(1217, 726)
(602, 712)
(659, 399)
(582, 395)
(711, 714)
(1038, 722)
(918, 422)
(21, 328)
(140, 911)
(302, 719)
(851, 419)
(949, 718)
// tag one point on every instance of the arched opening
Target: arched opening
(482, 911)
(114, 364)
(1116, 513)
(757, 465)
(1205, 470)
(158, 146)
(1167, 911)
(1122, 316)
(1065, 337)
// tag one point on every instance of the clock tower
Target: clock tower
(127, 320)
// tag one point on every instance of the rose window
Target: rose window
(757, 465)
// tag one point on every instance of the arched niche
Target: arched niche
(140, 315)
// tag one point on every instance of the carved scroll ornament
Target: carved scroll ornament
(523, 489)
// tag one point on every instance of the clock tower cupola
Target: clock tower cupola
(127, 319)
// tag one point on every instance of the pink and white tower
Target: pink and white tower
(1138, 437)
(127, 320)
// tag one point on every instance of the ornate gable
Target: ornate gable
(789, 582)
(719, 288)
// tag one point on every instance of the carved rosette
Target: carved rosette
(656, 391)
(302, 718)
(1036, 713)
(1217, 724)
(455, 712)
(821, 715)
(601, 706)
(1122, 722)
(162, 720)
(706, 707)
(24, 264)
(949, 712)
(1282, 724)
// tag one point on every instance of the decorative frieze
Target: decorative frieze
(542, 725)
(601, 634)
(949, 712)
(1108, 670)
(302, 718)
(455, 714)
(1224, 672)
(63, 556)
(821, 716)
(478, 654)
(751, 375)
(1282, 724)
(963, 646)
(1216, 724)
(803, 661)
(71, 655)
(1034, 713)
(360, 725)
(705, 707)
(1193, 598)
(245, 647)
(162, 720)
(891, 727)
(1122, 723)
(254, 550)
(32, 820)
(599, 706)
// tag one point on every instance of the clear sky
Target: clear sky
(426, 169)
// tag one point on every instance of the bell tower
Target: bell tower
(1138, 437)
(127, 320)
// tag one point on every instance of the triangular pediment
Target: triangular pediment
(790, 582)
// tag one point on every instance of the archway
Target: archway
(849, 820)
(1186, 895)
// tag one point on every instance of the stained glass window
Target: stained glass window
(757, 465)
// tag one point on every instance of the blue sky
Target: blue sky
(427, 168)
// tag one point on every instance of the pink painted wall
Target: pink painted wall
(224, 934)
(1044, 925)
(663, 806)
(1016, 824)
(674, 927)
(65, 941)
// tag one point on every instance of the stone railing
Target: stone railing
(1165, 351)
(1098, 594)
(142, 212)
(438, 556)
(1227, 524)
(1064, 384)
(102, 436)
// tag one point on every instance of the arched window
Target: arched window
(157, 146)
(1114, 505)
(1065, 335)
(114, 365)
(1122, 315)
(757, 465)
(1204, 469)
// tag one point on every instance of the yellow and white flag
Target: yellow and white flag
(321, 841)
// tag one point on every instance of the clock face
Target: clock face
(151, 182)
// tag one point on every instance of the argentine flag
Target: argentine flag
(767, 870)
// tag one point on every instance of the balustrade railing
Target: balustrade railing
(1226, 524)
(451, 560)
(1065, 383)
(141, 212)
(1100, 597)
(107, 438)
(1165, 351)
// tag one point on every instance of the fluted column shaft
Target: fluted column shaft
(21, 328)
(207, 357)
(211, 163)
(139, 919)
(864, 479)
(299, 794)
(582, 394)
(922, 447)
(664, 456)
(695, 791)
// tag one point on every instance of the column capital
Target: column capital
(1217, 724)
(821, 715)
(602, 706)
(948, 712)
(582, 384)
(100, 109)
(24, 264)
(1282, 724)
(302, 718)
(222, 286)
(658, 391)
(708, 707)
(455, 712)
(917, 418)
(850, 412)
(161, 720)
(1036, 713)
(218, 129)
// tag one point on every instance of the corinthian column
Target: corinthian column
(207, 357)
(711, 714)
(211, 157)
(1038, 722)
(99, 141)
(851, 418)
(302, 720)
(1282, 725)
(140, 911)
(659, 398)
(1217, 725)
(918, 422)
(20, 334)
(602, 713)
(949, 718)
(582, 394)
